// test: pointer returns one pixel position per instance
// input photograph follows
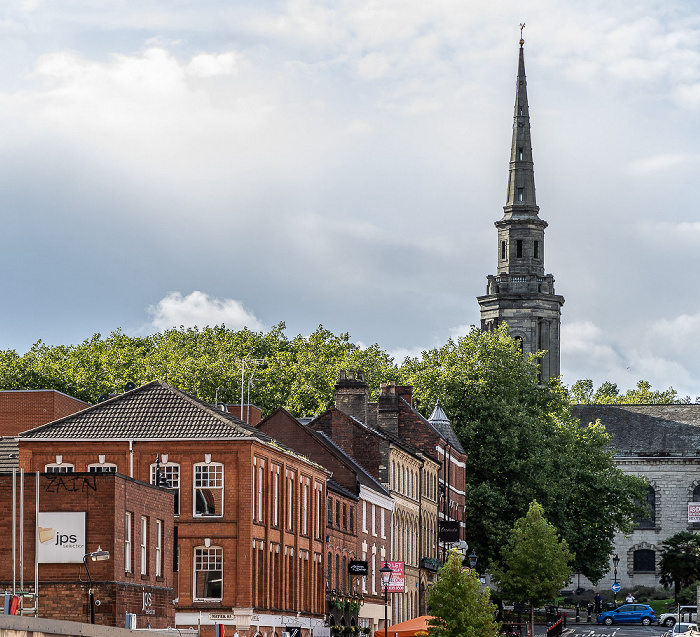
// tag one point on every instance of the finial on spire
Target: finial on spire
(522, 26)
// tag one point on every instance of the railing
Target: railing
(555, 629)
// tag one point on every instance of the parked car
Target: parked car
(629, 614)
(688, 614)
(683, 628)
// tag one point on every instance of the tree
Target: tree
(458, 605)
(582, 392)
(524, 445)
(680, 561)
(535, 562)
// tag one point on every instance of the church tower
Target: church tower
(521, 294)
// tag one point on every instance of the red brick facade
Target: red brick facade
(24, 409)
(105, 499)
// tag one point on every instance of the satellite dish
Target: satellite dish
(129, 386)
(102, 398)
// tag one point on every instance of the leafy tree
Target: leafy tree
(458, 605)
(680, 561)
(535, 563)
(582, 392)
(523, 445)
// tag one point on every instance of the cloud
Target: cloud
(198, 309)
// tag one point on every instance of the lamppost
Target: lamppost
(386, 578)
(472, 559)
(616, 562)
(98, 556)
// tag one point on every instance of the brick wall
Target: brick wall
(26, 409)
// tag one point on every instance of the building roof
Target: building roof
(9, 454)
(151, 412)
(441, 423)
(647, 430)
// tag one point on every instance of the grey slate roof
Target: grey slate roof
(647, 430)
(9, 454)
(153, 411)
(439, 420)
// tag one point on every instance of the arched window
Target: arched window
(648, 521)
(644, 561)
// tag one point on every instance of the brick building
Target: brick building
(366, 432)
(249, 514)
(77, 514)
(28, 408)
(358, 524)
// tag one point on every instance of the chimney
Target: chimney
(406, 392)
(388, 408)
(352, 394)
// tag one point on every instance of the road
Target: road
(599, 630)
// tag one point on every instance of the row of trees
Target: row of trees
(522, 442)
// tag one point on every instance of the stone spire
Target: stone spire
(521, 294)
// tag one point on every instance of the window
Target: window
(504, 250)
(337, 513)
(305, 510)
(536, 250)
(520, 154)
(648, 521)
(352, 519)
(144, 545)
(127, 542)
(275, 495)
(345, 516)
(159, 548)
(105, 467)
(381, 520)
(208, 574)
(64, 467)
(519, 248)
(374, 520)
(521, 194)
(329, 522)
(290, 501)
(319, 495)
(260, 492)
(364, 516)
(171, 472)
(644, 561)
(208, 489)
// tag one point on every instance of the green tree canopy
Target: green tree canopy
(680, 561)
(582, 392)
(535, 562)
(458, 605)
(524, 445)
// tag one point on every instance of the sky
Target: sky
(167, 163)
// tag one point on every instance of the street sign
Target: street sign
(615, 588)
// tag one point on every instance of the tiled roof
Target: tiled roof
(647, 430)
(439, 420)
(153, 411)
(9, 454)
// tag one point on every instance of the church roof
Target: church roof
(647, 430)
(154, 411)
(441, 423)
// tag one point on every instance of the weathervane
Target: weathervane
(522, 26)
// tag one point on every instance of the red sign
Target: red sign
(693, 511)
(398, 581)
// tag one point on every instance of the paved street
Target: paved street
(599, 630)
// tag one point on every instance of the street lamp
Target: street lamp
(386, 578)
(472, 560)
(98, 556)
(616, 563)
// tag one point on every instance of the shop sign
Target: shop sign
(60, 537)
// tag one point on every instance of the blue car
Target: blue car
(628, 614)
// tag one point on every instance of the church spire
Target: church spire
(520, 201)
(521, 294)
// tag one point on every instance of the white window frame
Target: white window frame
(305, 510)
(260, 493)
(275, 495)
(63, 467)
(171, 471)
(159, 548)
(102, 467)
(128, 517)
(207, 475)
(374, 520)
(381, 518)
(144, 545)
(364, 516)
(207, 556)
(290, 501)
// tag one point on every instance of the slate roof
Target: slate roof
(647, 430)
(151, 412)
(441, 423)
(9, 454)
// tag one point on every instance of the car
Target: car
(683, 628)
(628, 614)
(688, 614)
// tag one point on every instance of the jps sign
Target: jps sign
(60, 537)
